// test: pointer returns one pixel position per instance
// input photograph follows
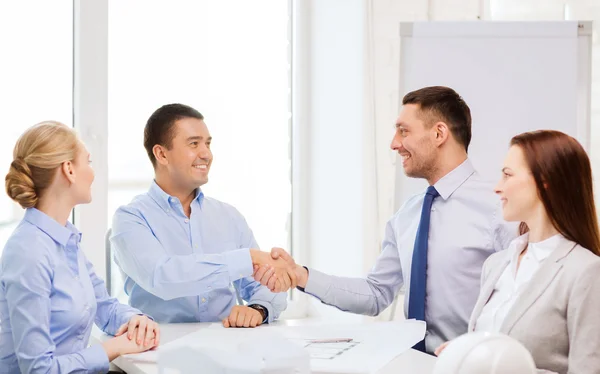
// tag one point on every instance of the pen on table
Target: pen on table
(333, 340)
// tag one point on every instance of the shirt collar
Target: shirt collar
(164, 200)
(454, 179)
(540, 250)
(58, 233)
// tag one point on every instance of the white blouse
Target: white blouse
(513, 282)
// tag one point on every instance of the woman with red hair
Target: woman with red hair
(544, 290)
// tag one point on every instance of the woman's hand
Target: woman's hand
(145, 331)
(122, 345)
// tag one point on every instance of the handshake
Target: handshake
(277, 270)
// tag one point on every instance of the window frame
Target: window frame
(90, 119)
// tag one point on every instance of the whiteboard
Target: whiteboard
(515, 77)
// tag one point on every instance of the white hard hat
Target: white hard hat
(484, 353)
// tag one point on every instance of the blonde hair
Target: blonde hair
(39, 152)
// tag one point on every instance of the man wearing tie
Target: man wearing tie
(437, 242)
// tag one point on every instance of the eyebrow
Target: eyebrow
(504, 169)
(189, 139)
(400, 124)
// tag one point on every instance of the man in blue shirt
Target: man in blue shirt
(180, 250)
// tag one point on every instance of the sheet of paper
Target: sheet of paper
(372, 345)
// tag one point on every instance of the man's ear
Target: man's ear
(160, 154)
(441, 132)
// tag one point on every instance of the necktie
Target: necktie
(418, 270)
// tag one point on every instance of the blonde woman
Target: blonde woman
(49, 292)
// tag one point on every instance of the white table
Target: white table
(409, 362)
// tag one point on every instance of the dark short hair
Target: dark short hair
(440, 103)
(160, 126)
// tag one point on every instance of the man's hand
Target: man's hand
(282, 274)
(267, 276)
(243, 316)
(147, 333)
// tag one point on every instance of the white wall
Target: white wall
(336, 165)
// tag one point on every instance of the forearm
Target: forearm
(356, 295)
(171, 277)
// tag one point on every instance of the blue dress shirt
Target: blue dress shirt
(49, 298)
(180, 269)
(466, 227)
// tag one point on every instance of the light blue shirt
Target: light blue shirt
(180, 269)
(466, 227)
(49, 298)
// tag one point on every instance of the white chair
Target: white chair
(108, 260)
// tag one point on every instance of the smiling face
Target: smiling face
(517, 188)
(189, 157)
(414, 142)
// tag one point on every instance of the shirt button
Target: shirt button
(433, 209)
(186, 220)
(203, 300)
(76, 277)
(167, 210)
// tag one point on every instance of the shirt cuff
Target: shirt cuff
(239, 263)
(308, 275)
(95, 359)
(123, 319)
(317, 284)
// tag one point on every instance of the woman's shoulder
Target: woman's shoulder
(502, 256)
(28, 243)
(581, 258)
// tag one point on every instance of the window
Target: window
(230, 61)
(36, 71)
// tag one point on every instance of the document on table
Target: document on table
(325, 351)
(364, 348)
(372, 347)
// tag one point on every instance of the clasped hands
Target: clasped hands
(277, 270)
(137, 335)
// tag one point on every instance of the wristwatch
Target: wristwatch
(262, 310)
